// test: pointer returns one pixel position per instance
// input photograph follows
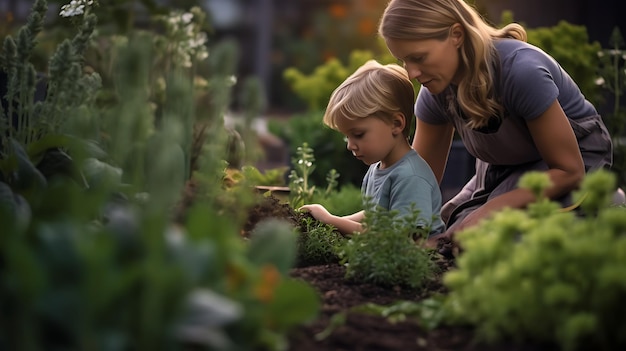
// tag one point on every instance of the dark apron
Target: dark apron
(512, 142)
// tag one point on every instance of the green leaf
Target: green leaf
(27, 179)
(273, 241)
(56, 162)
(7, 201)
(294, 302)
(98, 172)
(88, 148)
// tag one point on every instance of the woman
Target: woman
(513, 106)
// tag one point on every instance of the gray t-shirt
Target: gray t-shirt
(528, 82)
(408, 181)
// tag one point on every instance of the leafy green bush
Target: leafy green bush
(544, 274)
(389, 251)
(315, 88)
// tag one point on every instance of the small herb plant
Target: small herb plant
(546, 275)
(318, 243)
(389, 251)
(302, 190)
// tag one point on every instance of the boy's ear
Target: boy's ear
(399, 122)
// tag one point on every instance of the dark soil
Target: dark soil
(362, 331)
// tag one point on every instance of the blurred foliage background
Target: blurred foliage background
(299, 50)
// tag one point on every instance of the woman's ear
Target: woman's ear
(457, 34)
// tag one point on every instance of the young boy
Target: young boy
(373, 108)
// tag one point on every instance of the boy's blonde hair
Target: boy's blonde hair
(432, 19)
(373, 90)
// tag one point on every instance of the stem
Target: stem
(617, 92)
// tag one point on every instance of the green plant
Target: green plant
(428, 312)
(36, 140)
(99, 264)
(315, 88)
(546, 275)
(386, 253)
(273, 302)
(302, 190)
(318, 243)
(270, 177)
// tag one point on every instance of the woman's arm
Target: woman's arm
(346, 225)
(432, 142)
(557, 144)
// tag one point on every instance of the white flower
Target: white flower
(75, 8)
(599, 81)
(187, 40)
(187, 17)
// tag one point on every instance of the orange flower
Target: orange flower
(366, 27)
(264, 290)
(338, 10)
(327, 55)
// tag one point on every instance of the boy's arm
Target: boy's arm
(346, 225)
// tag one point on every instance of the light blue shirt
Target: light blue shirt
(408, 181)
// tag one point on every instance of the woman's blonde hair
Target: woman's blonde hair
(432, 19)
(373, 90)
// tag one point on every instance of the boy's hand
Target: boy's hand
(317, 211)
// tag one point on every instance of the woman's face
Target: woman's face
(433, 63)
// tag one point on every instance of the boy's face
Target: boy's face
(371, 139)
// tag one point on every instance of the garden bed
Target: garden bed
(365, 331)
